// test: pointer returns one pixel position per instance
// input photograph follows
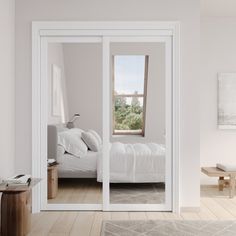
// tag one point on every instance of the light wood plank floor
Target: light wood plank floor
(90, 191)
(78, 191)
(214, 205)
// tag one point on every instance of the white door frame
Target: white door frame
(41, 30)
(167, 41)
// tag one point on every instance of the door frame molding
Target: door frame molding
(100, 29)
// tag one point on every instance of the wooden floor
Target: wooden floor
(214, 205)
(78, 191)
(89, 191)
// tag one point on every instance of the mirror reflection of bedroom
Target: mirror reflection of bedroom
(74, 122)
(138, 123)
(137, 157)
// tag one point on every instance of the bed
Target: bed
(129, 163)
(135, 163)
(69, 165)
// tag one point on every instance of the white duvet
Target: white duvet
(135, 163)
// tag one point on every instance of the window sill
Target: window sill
(127, 135)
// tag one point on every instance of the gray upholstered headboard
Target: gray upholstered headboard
(53, 139)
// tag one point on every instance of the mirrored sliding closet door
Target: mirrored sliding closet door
(105, 129)
(140, 129)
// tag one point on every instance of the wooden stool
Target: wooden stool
(16, 209)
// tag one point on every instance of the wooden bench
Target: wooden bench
(216, 172)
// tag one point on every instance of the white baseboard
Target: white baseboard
(189, 209)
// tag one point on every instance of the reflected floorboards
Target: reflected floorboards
(78, 191)
(90, 191)
(138, 193)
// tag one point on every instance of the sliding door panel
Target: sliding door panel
(140, 129)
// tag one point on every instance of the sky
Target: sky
(129, 74)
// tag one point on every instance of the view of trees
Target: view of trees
(128, 116)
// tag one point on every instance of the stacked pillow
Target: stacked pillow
(72, 142)
(92, 140)
(77, 142)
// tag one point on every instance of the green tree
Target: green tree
(128, 117)
(133, 121)
(119, 126)
(120, 102)
(135, 102)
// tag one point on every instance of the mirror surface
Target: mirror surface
(137, 156)
(74, 122)
(138, 123)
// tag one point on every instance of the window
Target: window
(129, 94)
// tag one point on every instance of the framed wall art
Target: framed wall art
(56, 90)
(227, 100)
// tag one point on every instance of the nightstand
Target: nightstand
(52, 181)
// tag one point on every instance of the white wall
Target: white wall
(7, 87)
(186, 11)
(56, 57)
(83, 64)
(218, 49)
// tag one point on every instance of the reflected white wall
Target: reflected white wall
(56, 57)
(83, 68)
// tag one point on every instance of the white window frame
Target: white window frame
(109, 32)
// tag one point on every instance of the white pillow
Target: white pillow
(97, 136)
(76, 131)
(91, 141)
(72, 142)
